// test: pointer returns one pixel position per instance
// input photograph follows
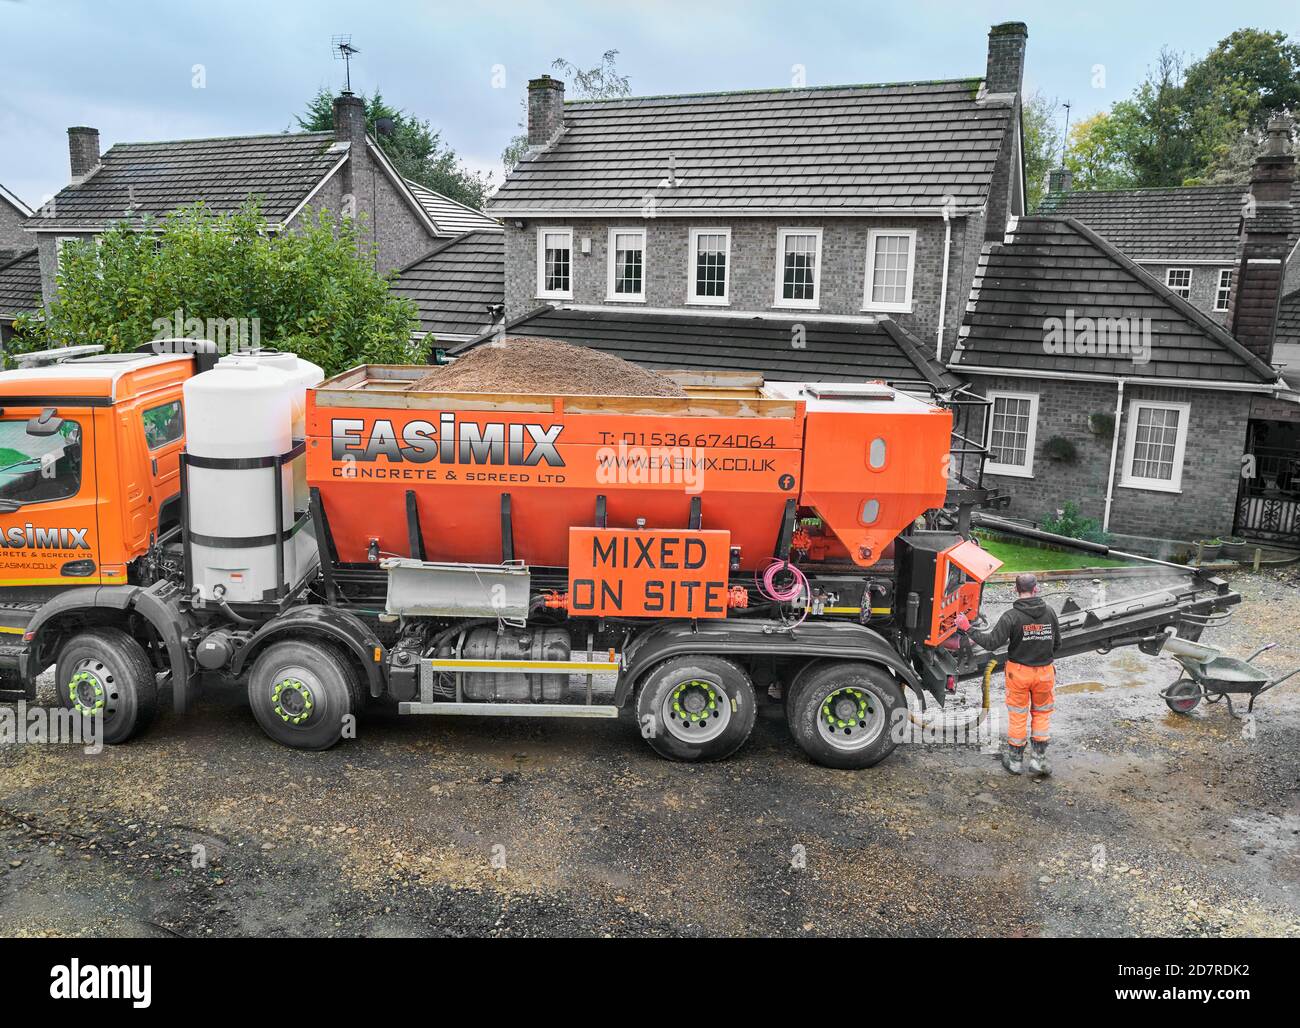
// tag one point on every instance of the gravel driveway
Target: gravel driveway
(1153, 824)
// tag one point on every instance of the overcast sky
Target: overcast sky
(127, 67)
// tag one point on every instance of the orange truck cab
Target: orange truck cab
(90, 454)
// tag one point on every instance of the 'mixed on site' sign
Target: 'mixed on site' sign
(640, 573)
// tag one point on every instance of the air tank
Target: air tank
(241, 415)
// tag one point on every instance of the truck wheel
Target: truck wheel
(696, 708)
(302, 692)
(843, 714)
(104, 672)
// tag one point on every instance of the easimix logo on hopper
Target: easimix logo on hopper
(448, 442)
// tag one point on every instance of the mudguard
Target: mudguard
(760, 638)
(316, 619)
(153, 603)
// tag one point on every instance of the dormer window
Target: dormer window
(798, 267)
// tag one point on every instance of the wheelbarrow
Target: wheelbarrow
(1207, 674)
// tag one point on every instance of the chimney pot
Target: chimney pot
(545, 109)
(1006, 62)
(83, 151)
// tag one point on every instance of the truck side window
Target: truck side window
(163, 425)
(37, 468)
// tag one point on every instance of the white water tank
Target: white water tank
(245, 411)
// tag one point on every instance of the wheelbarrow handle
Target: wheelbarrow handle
(1279, 681)
(1266, 646)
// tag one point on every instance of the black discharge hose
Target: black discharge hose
(997, 524)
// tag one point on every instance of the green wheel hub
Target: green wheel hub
(845, 708)
(696, 710)
(850, 718)
(292, 700)
(87, 693)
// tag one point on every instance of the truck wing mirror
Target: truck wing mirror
(46, 423)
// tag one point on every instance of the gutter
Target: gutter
(1114, 453)
(1270, 388)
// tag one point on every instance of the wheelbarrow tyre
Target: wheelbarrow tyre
(1183, 696)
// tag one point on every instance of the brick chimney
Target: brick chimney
(83, 151)
(1006, 67)
(1060, 180)
(1265, 225)
(1002, 82)
(350, 127)
(545, 109)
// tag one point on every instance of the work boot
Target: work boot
(1013, 758)
(1038, 764)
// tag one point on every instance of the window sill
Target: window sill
(553, 296)
(904, 309)
(698, 302)
(991, 469)
(796, 306)
(1151, 487)
(624, 298)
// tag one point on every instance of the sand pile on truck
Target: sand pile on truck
(523, 365)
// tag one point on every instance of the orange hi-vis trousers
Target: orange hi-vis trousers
(1029, 690)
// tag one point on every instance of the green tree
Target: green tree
(1093, 155)
(313, 291)
(416, 150)
(599, 82)
(1042, 145)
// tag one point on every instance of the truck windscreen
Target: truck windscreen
(36, 468)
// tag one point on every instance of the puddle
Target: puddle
(1076, 687)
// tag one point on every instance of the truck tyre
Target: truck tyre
(696, 708)
(303, 693)
(843, 715)
(104, 672)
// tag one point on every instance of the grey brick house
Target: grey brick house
(292, 174)
(1108, 388)
(1233, 252)
(13, 213)
(827, 232)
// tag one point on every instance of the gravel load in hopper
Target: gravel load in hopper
(522, 365)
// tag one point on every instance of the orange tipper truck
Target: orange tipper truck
(172, 518)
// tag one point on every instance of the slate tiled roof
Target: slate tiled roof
(137, 179)
(20, 285)
(454, 284)
(1288, 319)
(1055, 267)
(834, 351)
(840, 149)
(451, 217)
(1200, 223)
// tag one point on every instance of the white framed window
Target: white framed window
(1180, 281)
(1154, 445)
(710, 269)
(798, 267)
(555, 263)
(891, 257)
(1013, 426)
(59, 243)
(626, 275)
(1224, 289)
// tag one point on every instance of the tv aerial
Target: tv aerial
(343, 50)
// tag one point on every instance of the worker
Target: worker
(1030, 632)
